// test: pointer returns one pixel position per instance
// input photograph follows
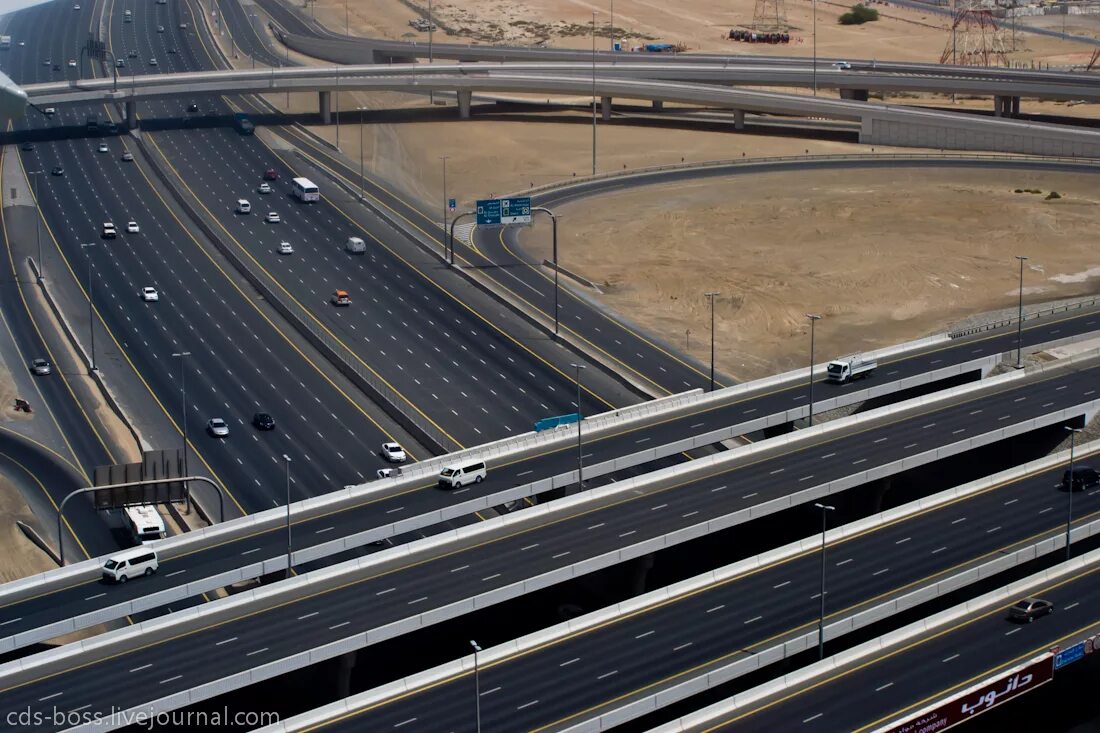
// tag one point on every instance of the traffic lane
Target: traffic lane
(655, 647)
(405, 331)
(275, 633)
(748, 485)
(906, 679)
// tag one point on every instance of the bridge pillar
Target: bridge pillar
(464, 104)
(739, 119)
(605, 109)
(1015, 111)
(1001, 106)
(856, 95)
(324, 106)
(638, 572)
(131, 115)
(658, 104)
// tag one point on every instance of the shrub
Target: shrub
(1053, 195)
(858, 15)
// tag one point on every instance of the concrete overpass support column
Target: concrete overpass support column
(999, 106)
(345, 665)
(739, 119)
(324, 106)
(605, 108)
(658, 104)
(856, 95)
(464, 104)
(1015, 111)
(638, 572)
(131, 115)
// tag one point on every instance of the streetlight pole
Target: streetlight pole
(554, 256)
(289, 564)
(91, 322)
(710, 297)
(580, 419)
(814, 12)
(477, 685)
(183, 408)
(612, 25)
(431, 58)
(362, 170)
(347, 24)
(813, 319)
(821, 619)
(38, 226)
(445, 207)
(1020, 317)
(593, 92)
(1072, 484)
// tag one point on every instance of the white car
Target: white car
(103, 148)
(22, 43)
(153, 62)
(50, 111)
(285, 248)
(76, 7)
(160, 29)
(217, 427)
(109, 231)
(128, 156)
(150, 294)
(841, 65)
(272, 217)
(387, 473)
(132, 227)
(264, 188)
(393, 453)
(72, 63)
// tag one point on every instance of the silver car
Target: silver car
(41, 367)
(217, 427)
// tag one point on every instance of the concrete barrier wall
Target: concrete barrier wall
(671, 593)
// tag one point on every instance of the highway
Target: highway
(420, 332)
(382, 510)
(659, 646)
(914, 675)
(202, 310)
(294, 625)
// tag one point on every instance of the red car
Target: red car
(271, 175)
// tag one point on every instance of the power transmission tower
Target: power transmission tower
(976, 39)
(770, 16)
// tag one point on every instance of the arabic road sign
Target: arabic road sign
(1069, 656)
(497, 212)
(978, 699)
(451, 204)
(552, 422)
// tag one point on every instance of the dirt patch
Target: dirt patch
(21, 556)
(8, 393)
(884, 256)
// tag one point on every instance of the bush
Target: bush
(1053, 195)
(859, 15)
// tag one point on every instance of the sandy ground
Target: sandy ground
(21, 556)
(884, 256)
(700, 25)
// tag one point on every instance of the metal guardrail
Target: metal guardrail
(1027, 316)
(776, 159)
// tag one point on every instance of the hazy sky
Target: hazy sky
(7, 6)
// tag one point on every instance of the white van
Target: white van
(243, 207)
(130, 564)
(356, 246)
(459, 475)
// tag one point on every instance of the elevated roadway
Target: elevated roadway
(241, 640)
(649, 652)
(42, 608)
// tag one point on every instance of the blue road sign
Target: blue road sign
(451, 203)
(496, 212)
(1069, 656)
(552, 422)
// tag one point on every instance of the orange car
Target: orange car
(341, 297)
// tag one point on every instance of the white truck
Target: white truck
(5, 41)
(848, 368)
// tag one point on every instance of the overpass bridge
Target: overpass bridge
(879, 123)
(234, 642)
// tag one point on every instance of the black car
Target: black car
(172, 51)
(1083, 477)
(263, 421)
(192, 107)
(57, 171)
(132, 54)
(1030, 609)
(57, 67)
(26, 147)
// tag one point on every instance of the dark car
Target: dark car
(1030, 609)
(171, 51)
(263, 421)
(57, 67)
(271, 175)
(192, 107)
(1083, 477)
(27, 147)
(57, 171)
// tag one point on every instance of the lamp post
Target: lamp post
(38, 225)
(91, 322)
(1020, 317)
(813, 319)
(431, 59)
(362, 170)
(825, 508)
(444, 158)
(593, 92)
(286, 460)
(347, 24)
(252, 52)
(580, 419)
(477, 685)
(710, 297)
(183, 408)
(1072, 484)
(814, 12)
(612, 25)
